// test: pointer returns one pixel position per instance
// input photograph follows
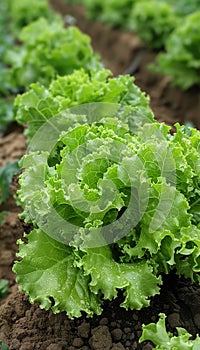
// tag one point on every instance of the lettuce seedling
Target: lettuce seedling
(164, 340)
(113, 197)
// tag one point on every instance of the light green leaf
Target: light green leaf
(164, 340)
(49, 49)
(181, 61)
(48, 275)
(3, 346)
(107, 276)
(41, 103)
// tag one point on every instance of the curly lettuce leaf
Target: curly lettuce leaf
(47, 273)
(153, 21)
(108, 190)
(41, 103)
(137, 280)
(171, 212)
(164, 340)
(56, 276)
(185, 147)
(181, 61)
(48, 50)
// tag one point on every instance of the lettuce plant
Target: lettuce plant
(22, 14)
(14, 15)
(181, 61)
(156, 28)
(41, 103)
(164, 340)
(114, 200)
(112, 12)
(122, 14)
(153, 21)
(48, 50)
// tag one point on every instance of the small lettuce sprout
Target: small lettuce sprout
(163, 340)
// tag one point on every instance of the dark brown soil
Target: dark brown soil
(26, 327)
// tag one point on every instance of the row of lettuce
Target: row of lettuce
(44, 49)
(109, 191)
(163, 24)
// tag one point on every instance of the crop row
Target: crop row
(172, 26)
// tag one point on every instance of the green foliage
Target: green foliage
(40, 103)
(181, 61)
(164, 340)
(6, 42)
(22, 14)
(75, 194)
(6, 113)
(126, 14)
(75, 289)
(3, 287)
(162, 24)
(184, 7)
(3, 346)
(6, 175)
(113, 12)
(5, 37)
(153, 21)
(13, 16)
(48, 50)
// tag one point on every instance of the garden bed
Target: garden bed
(24, 326)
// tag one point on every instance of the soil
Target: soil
(26, 327)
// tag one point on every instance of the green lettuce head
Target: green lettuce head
(103, 187)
